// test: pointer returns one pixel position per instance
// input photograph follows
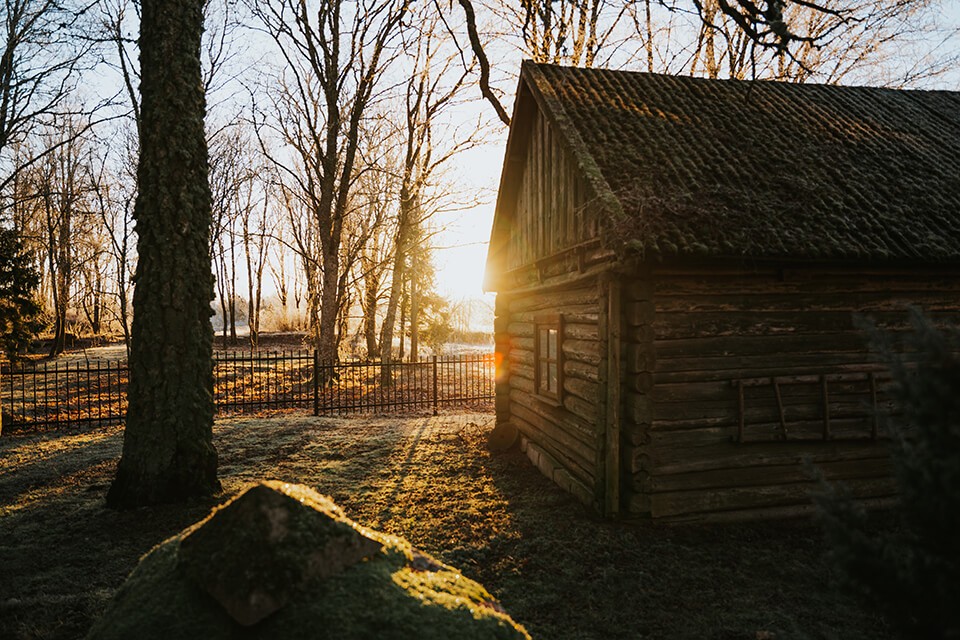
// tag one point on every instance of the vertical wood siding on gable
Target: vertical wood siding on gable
(689, 335)
(567, 431)
(547, 216)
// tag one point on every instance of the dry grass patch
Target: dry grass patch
(561, 572)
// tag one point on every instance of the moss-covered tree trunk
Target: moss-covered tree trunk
(168, 454)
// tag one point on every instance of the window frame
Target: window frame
(547, 322)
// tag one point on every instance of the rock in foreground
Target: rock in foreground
(282, 561)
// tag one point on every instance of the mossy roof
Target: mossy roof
(762, 170)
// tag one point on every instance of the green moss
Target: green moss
(395, 591)
(159, 597)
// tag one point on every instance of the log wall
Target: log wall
(563, 438)
(733, 380)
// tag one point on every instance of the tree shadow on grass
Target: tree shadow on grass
(339, 457)
(63, 553)
(32, 462)
(557, 568)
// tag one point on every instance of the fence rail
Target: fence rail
(70, 394)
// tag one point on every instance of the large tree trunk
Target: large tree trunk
(329, 306)
(253, 285)
(415, 310)
(404, 233)
(233, 291)
(370, 290)
(168, 453)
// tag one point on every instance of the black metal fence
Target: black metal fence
(34, 395)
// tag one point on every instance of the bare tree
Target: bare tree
(379, 226)
(228, 174)
(334, 56)
(786, 39)
(113, 187)
(257, 229)
(41, 55)
(306, 284)
(368, 239)
(60, 190)
(372, 268)
(436, 83)
(92, 268)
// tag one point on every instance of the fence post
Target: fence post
(316, 382)
(435, 385)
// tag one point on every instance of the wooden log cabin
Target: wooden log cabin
(680, 265)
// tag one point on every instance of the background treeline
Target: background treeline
(340, 137)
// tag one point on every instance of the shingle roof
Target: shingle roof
(726, 168)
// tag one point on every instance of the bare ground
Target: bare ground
(560, 571)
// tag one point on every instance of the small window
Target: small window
(549, 367)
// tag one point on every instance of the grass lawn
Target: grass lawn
(557, 569)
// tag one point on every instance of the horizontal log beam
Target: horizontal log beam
(761, 475)
(723, 454)
(731, 499)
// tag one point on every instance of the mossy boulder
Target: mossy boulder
(282, 561)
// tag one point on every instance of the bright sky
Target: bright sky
(460, 262)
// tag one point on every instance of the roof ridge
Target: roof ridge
(746, 82)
